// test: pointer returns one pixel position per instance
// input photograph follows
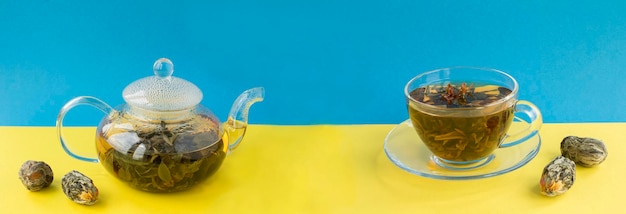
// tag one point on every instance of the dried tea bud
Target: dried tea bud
(586, 152)
(35, 175)
(558, 176)
(79, 188)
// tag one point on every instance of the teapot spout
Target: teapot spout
(237, 122)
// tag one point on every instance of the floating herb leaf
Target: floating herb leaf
(164, 173)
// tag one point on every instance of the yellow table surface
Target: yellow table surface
(317, 169)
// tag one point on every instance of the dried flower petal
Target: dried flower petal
(587, 152)
(558, 176)
(79, 188)
(35, 175)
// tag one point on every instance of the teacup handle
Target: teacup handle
(82, 100)
(533, 113)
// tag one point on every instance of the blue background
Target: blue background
(321, 61)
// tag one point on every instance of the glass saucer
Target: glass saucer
(406, 150)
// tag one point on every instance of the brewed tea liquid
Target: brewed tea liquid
(475, 96)
(458, 138)
(160, 157)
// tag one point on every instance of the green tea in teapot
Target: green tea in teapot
(457, 137)
(161, 157)
(162, 139)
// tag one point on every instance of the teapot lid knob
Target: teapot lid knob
(163, 68)
(162, 92)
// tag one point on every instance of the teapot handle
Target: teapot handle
(82, 100)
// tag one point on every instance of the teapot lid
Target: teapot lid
(162, 92)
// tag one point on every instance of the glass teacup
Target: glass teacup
(463, 114)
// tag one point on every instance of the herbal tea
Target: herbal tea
(160, 157)
(461, 138)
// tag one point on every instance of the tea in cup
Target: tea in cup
(463, 114)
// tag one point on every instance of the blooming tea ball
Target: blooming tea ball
(558, 176)
(79, 188)
(35, 175)
(587, 152)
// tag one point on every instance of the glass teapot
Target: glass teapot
(163, 139)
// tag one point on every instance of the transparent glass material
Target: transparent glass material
(406, 150)
(162, 91)
(464, 140)
(162, 139)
